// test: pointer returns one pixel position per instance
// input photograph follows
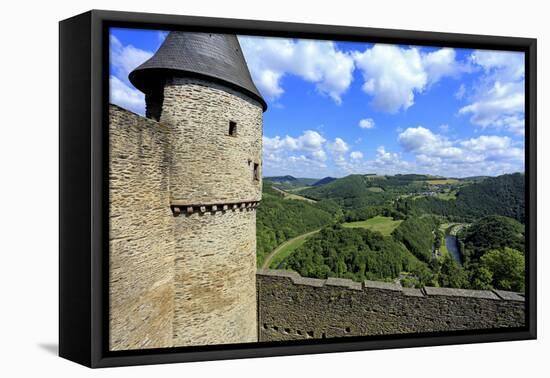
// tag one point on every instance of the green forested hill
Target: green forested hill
(492, 245)
(417, 234)
(350, 192)
(357, 254)
(493, 250)
(492, 232)
(359, 191)
(501, 195)
(340, 188)
(289, 181)
(280, 219)
(323, 181)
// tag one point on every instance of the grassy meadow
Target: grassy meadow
(384, 225)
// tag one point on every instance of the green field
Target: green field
(447, 196)
(443, 249)
(298, 189)
(376, 177)
(375, 189)
(384, 225)
(442, 181)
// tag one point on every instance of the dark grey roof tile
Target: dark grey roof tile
(211, 56)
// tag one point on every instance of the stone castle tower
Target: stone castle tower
(198, 86)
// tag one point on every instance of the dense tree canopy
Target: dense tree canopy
(363, 213)
(360, 191)
(487, 210)
(417, 234)
(357, 254)
(280, 219)
(504, 269)
(492, 232)
(451, 274)
(502, 195)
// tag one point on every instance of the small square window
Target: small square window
(232, 128)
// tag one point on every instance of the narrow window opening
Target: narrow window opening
(232, 128)
(256, 172)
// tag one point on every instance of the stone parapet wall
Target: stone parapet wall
(291, 307)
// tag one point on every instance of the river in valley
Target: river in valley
(451, 243)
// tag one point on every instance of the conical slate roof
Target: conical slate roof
(216, 57)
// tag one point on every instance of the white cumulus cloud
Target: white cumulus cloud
(499, 100)
(366, 123)
(356, 155)
(441, 63)
(393, 75)
(339, 148)
(125, 96)
(486, 154)
(123, 59)
(460, 92)
(501, 64)
(309, 144)
(385, 156)
(318, 62)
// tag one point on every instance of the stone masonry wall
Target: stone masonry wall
(141, 233)
(209, 165)
(215, 282)
(292, 307)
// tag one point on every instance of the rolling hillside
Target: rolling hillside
(388, 227)
(501, 195)
(279, 219)
(288, 182)
(324, 181)
(357, 191)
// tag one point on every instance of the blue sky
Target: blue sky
(340, 108)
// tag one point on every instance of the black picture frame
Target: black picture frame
(83, 181)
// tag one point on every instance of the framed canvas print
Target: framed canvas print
(234, 188)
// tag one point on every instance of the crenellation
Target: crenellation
(446, 291)
(413, 292)
(381, 285)
(177, 209)
(344, 282)
(510, 295)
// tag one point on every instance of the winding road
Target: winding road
(277, 250)
(294, 196)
